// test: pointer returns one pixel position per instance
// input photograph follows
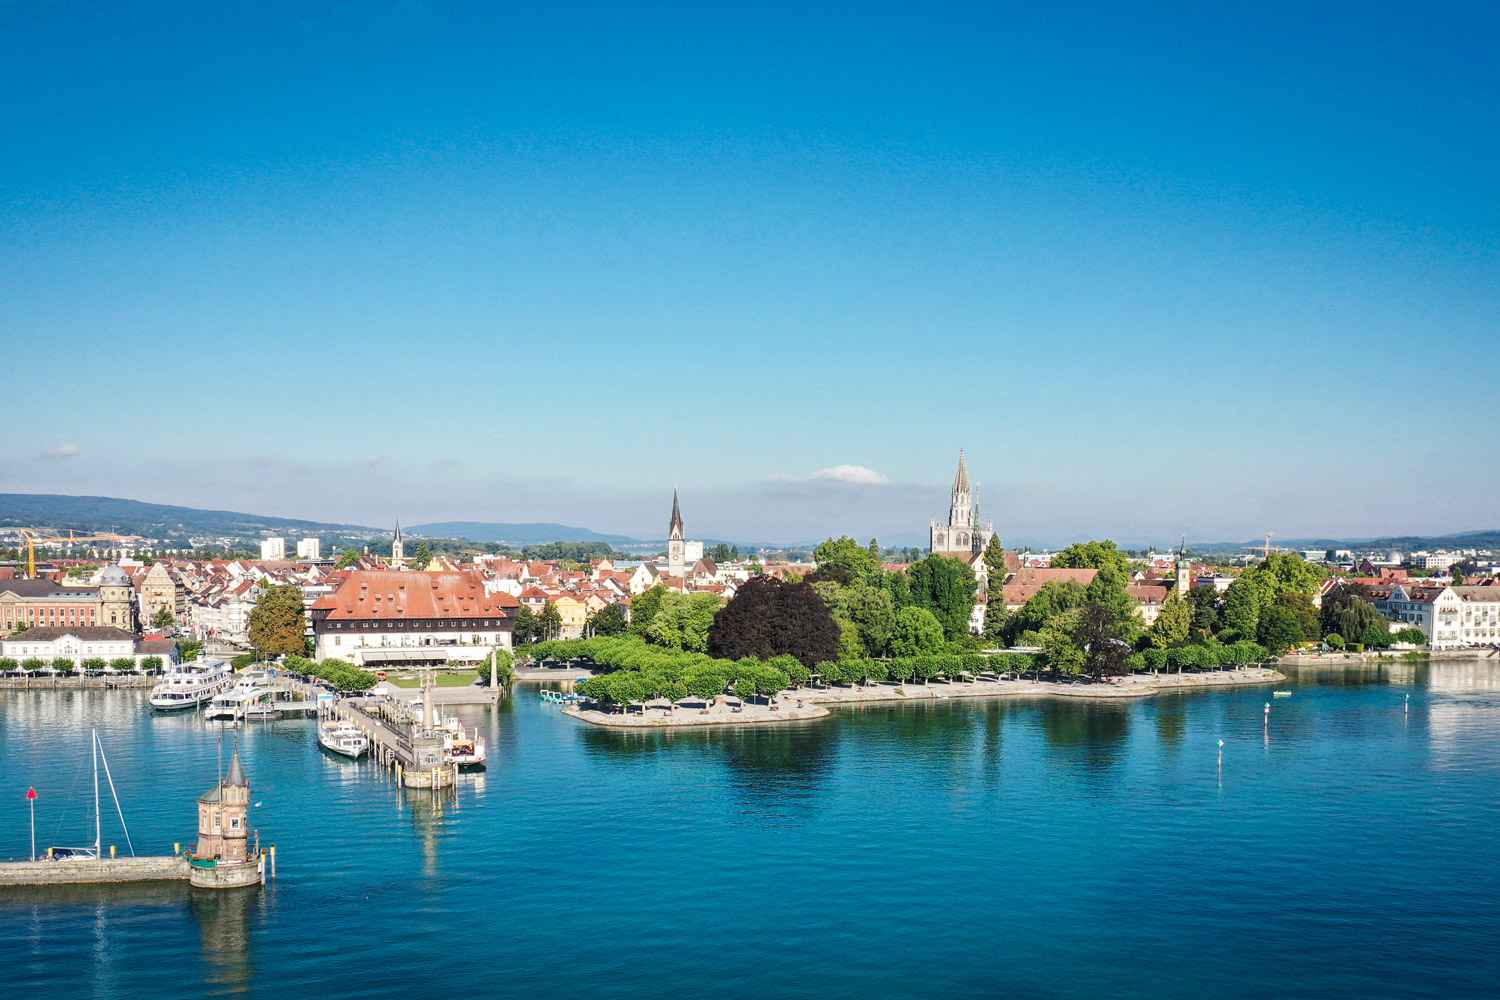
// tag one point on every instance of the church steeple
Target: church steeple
(961, 480)
(674, 528)
(398, 549)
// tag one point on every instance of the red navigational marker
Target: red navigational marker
(31, 794)
(31, 801)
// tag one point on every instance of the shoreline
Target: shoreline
(812, 703)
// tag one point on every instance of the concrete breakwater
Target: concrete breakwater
(77, 870)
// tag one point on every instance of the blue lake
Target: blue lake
(1345, 848)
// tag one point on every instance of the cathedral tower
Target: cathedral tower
(963, 534)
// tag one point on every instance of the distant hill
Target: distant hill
(515, 534)
(132, 517)
(1401, 543)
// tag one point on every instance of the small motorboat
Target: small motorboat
(1281, 694)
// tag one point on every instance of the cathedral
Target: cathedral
(964, 536)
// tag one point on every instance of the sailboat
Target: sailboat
(94, 853)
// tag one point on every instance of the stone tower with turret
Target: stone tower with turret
(1184, 581)
(676, 542)
(224, 816)
(964, 533)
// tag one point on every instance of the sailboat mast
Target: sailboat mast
(98, 839)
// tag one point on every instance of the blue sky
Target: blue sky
(1157, 267)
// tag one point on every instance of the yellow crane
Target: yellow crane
(30, 536)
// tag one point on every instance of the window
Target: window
(216, 821)
(234, 823)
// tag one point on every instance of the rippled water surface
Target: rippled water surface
(1345, 848)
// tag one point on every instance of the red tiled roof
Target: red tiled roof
(395, 594)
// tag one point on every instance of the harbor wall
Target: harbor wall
(45, 683)
(88, 870)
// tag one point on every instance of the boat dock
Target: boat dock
(408, 746)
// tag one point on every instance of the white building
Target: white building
(310, 548)
(404, 618)
(1451, 617)
(1438, 560)
(79, 644)
(272, 549)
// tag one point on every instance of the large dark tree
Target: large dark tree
(1205, 605)
(769, 618)
(278, 621)
(1102, 636)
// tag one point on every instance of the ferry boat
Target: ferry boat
(342, 737)
(459, 747)
(189, 685)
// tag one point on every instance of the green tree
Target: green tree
(916, 632)
(1092, 555)
(347, 558)
(278, 622)
(1243, 603)
(1349, 612)
(526, 627)
(549, 622)
(945, 587)
(1107, 590)
(898, 585)
(1289, 571)
(874, 549)
(1172, 623)
(643, 609)
(1056, 597)
(608, 621)
(163, 619)
(844, 560)
(1335, 640)
(870, 610)
(1301, 606)
(424, 555)
(1060, 649)
(994, 565)
(1458, 577)
(1204, 602)
(1281, 629)
(996, 615)
(683, 621)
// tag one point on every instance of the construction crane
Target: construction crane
(31, 537)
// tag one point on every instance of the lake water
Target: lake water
(1345, 848)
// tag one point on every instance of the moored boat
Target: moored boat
(342, 737)
(459, 747)
(189, 685)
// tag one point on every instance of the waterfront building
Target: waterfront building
(310, 549)
(1451, 617)
(394, 617)
(272, 549)
(49, 603)
(85, 643)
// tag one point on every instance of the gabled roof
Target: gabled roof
(391, 594)
(91, 633)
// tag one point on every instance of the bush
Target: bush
(32, 664)
(974, 664)
(151, 664)
(242, 661)
(831, 672)
(94, 664)
(122, 663)
(1155, 659)
(1335, 640)
(1415, 636)
(7, 664)
(63, 665)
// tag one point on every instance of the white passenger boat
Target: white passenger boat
(189, 685)
(342, 737)
(459, 747)
(246, 700)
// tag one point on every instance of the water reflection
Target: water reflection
(1093, 732)
(224, 920)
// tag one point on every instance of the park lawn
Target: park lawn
(443, 680)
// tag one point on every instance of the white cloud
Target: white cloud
(62, 451)
(855, 475)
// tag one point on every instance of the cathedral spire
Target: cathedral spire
(961, 481)
(674, 529)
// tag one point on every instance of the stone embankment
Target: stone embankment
(1389, 656)
(45, 682)
(721, 713)
(808, 702)
(77, 870)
